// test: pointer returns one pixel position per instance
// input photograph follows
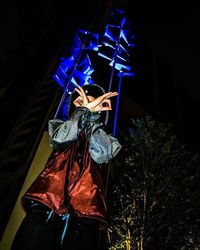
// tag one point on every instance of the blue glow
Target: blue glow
(104, 56)
(116, 42)
(117, 106)
(77, 68)
(73, 71)
(122, 49)
(89, 39)
(109, 45)
(129, 74)
(61, 74)
(119, 66)
(85, 66)
(67, 70)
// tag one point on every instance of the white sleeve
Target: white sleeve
(103, 147)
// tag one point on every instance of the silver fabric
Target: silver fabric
(102, 147)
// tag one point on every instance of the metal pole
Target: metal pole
(117, 104)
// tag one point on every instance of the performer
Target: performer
(65, 206)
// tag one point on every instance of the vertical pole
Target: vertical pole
(60, 104)
(117, 104)
(111, 77)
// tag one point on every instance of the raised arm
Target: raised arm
(103, 147)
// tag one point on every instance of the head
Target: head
(92, 91)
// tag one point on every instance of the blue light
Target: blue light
(89, 39)
(116, 42)
(104, 56)
(77, 68)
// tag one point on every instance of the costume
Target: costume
(71, 183)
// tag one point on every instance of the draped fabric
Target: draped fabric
(71, 182)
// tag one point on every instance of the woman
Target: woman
(65, 206)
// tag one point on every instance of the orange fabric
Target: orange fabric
(71, 182)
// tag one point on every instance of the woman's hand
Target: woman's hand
(82, 100)
(101, 103)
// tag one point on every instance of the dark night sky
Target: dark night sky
(171, 28)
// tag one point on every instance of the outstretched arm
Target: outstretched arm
(96, 105)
